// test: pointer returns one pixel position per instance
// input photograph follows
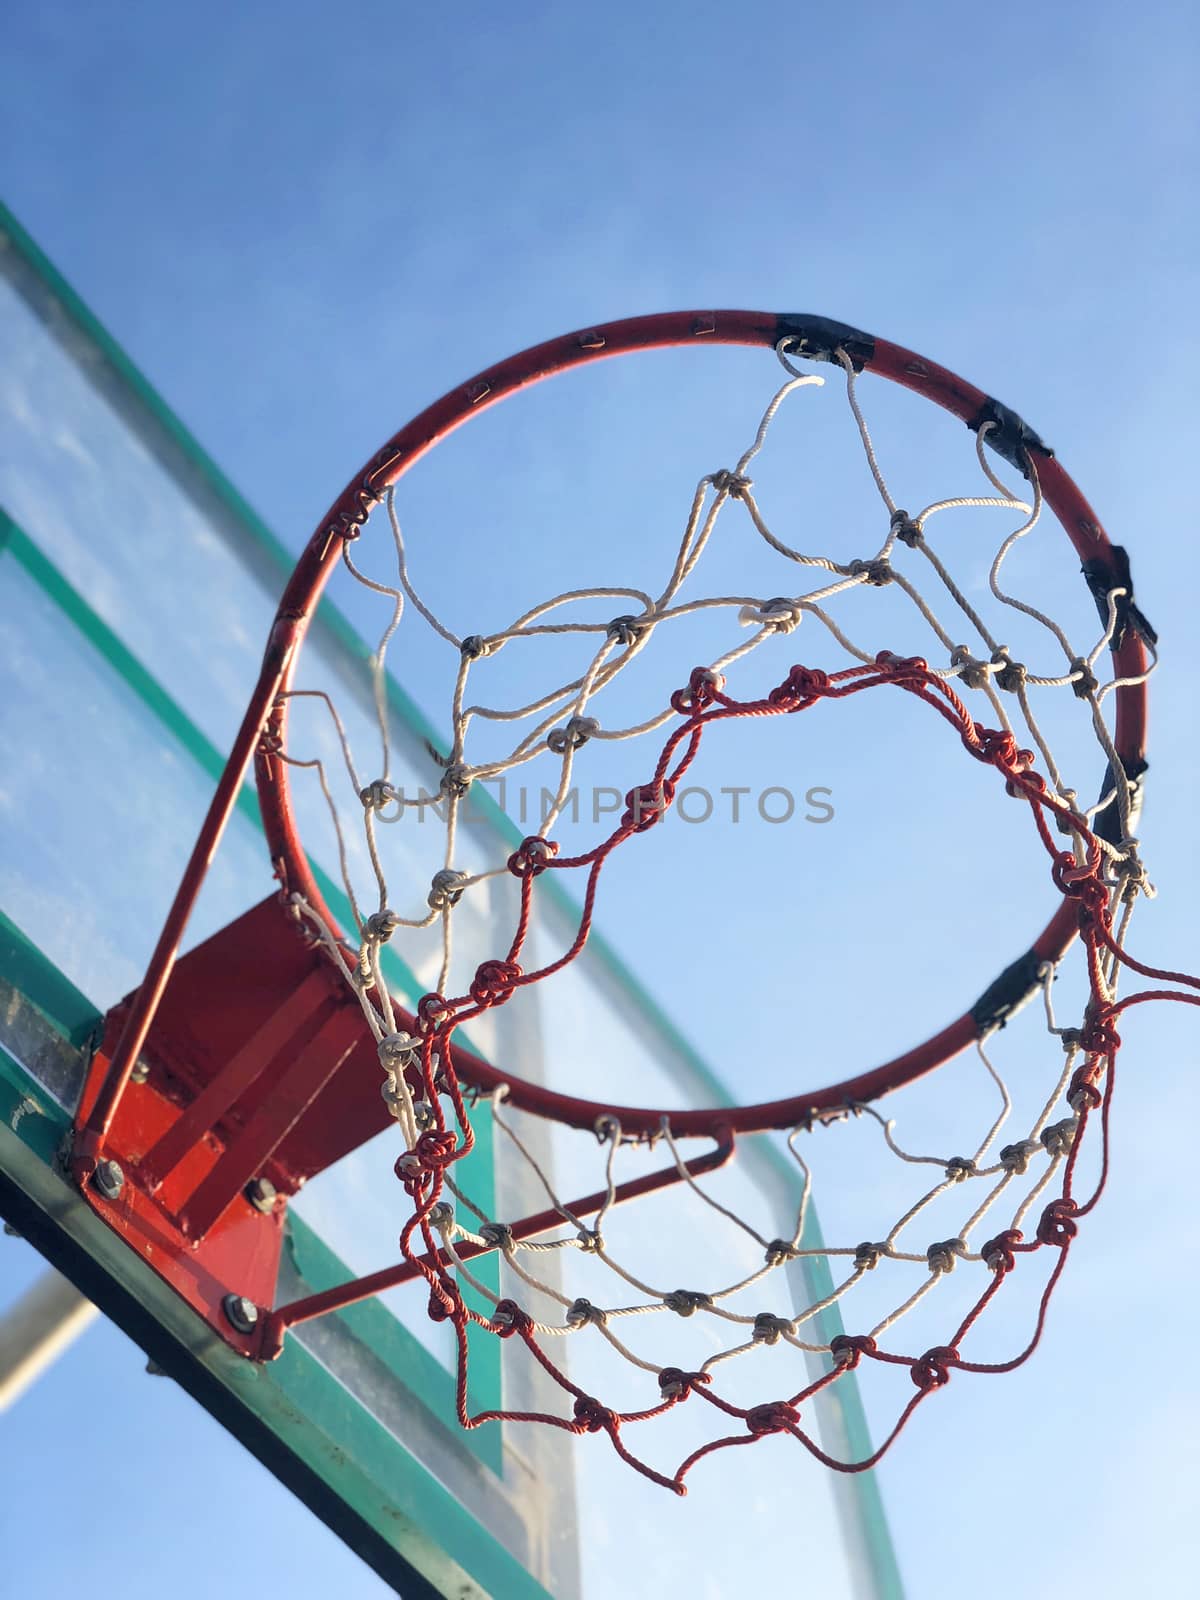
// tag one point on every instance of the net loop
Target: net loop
(943, 1255)
(906, 529)
(582, 1312)
(446, 889)
(686, 1302)
(1083, 1095)
(509, 1318)
(877, 571)
(593, 1417)
(628, 630)
(647, 805)
(376, 795)
(532, 856)
(998, 1254)
(848, 1349)
(573, 737)
(495, 982)
(868, 1256)
(932, 1371)
(777, 1416)
(769, 1328)
(676, 1384)
(703, 688)
(1056, 1225)
(735, 484)
(1014, 1158)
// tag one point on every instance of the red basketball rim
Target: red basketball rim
(811, 338)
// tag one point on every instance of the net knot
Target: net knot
(509, 1318)
(647, 805)
(902, 667)
(802, 686)
(430, 1010)
(779, 1251)
(456, 780)
(440, 1216)
(703, 687)
(960, 1168)
(627, 630)
(848, 1349)
(1098, 1037)
(686, 1302)
(769, 1329)
(589, 1241)
(998, 1254)
(446, 889)
(735, 484)
(592, 1417)
(932, 1371)
(398, 1051)
(1057, 1226)
(943, 1255)
(440, 1307)
(1014, 1158)
(499, 1235)
(906, 529)
(576, 734)
(474, 646)
(393, 1095)
(868, 1256)
(433, 1151)
(776, 1416)
(677, 1384)
(531, 857)
(999, 748)
(1084, 682)
(1060, 1136)
(423, 1114)
(582, 1312)
(376, 795)
(381, 925)
(494, 982)
(877, 571)
(780, 615)
(1010, 675)
(1083, 1093)
(1081, 884)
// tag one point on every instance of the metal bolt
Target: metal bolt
(242, 1313)
(109, 1179)
(155, 1371)
(12, 1232)
(262, 1195)
(141, 1070)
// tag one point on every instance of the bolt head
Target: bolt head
(109, 1179)
(241, 1313)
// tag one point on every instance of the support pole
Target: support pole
(37, 1329)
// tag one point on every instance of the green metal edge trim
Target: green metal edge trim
(314, 1417)
(67, 1008)
(328, 616)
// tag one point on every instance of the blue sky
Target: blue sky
(304, 226)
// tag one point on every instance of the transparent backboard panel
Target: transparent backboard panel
(136, 592)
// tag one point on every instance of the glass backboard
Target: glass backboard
(136, 590)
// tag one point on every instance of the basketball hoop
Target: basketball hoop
(1022, 1199)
